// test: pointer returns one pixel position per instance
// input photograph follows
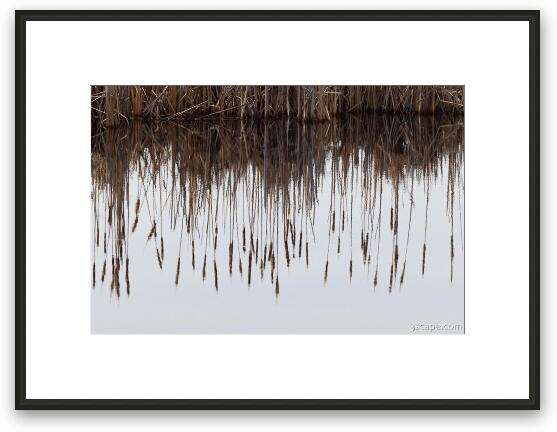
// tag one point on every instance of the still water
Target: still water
(342, 227)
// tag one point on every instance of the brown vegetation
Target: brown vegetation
(116, 105)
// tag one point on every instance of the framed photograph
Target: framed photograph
(277, 210)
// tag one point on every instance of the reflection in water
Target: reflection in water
(285, 208)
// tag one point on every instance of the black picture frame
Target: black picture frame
(531, 16)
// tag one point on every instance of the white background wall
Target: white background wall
(247, 421)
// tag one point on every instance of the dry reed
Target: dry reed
(117, 105)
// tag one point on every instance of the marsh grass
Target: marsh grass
(117, 105)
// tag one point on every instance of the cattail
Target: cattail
(103, 274)
(396, 257)
(366, 243)
(261, 267)
(249, 267)
(326, 271)
(159, 257)
(137, 204)
(127, 277)
(423, 260)
(338, 247)
(402, 274)
(256, 250)
(162, 248)
(350, 269)
(264, 257)
(251, 245)
(177, 272)
(244, 239)
(105, 242)
(287, 253)
(118, 280)
(204, 271)
(300, 246)
(230, 256)
(216, 275)
(193, 254)
(333, 221)
(97, 234)
(277, 288)
(240, 265)
(391, 218)
(307, 255)
(152, 232)
(391, 279)
(375, 279)
(93, 275)
(116, 275)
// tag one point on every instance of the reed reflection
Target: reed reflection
(212, 200)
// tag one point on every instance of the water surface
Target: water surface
(350, 227)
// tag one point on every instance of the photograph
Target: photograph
(292, 229)
(277, 209)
